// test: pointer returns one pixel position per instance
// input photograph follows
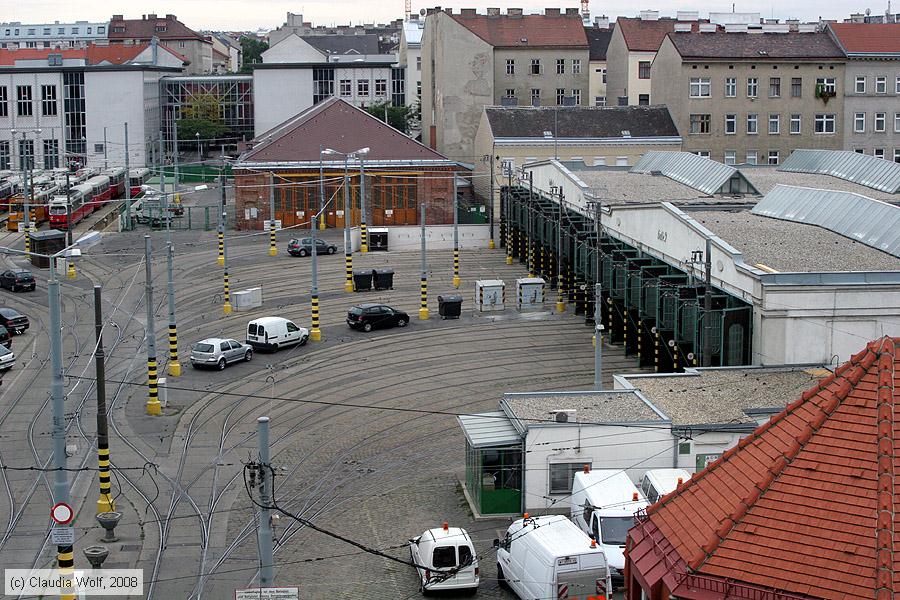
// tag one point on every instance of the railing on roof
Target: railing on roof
(876, 173)
(731, 589)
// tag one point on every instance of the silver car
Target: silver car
(7, 358)
(218, 352)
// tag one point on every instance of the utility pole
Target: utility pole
(530, 241)
(25, 200)
(266, 544)
(175, 144)
(273, 251)
(105, 152)
(221, 232)
(491, 245)
(509, 231)
(363, 233)
(105, 503)
(153, 406)
(423, 288)
(127, 184)
(707, 308)
(321, 186)
(560, 280)
(348, 249)
(174, 365)
(455, 234)
(598, 339)
(226, 308)
(315, 334)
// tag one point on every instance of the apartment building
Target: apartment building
(51, 35)
(472, 60)
(411, 57)
(871, 87)
(598, 37)
(752, 97)
(171, 33)
(388, 33)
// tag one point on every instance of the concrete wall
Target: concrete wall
(548, 82)
(437, 237)
(111, 100)
(278, 95)
(870, 103)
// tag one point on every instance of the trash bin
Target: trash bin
(378, 239)
(384, 279)
(362, 280)
(450, 307)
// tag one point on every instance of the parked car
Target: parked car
(272, 333)
(17, 280)
(13, 320)
(373, 316)
(445, 549)
(5, 338)
(7, 359)
(303, 247)
(656, 483)
(218, 352)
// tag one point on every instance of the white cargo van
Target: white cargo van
(603, 506)
(656, 483)
(272, 333)
(549, 557)
(445, 549)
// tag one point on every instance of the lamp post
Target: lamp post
(455, 233)
(348, 247)
(321, 185)
(363, 234)
(423, 303)
(560, 282)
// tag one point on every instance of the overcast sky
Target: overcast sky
(255, 14)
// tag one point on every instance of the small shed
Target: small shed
(493, 463)
(47, 242)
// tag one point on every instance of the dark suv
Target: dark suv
(372, 316)
(17, 280)
(303, 247)
(13, 320)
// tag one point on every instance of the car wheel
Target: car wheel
(221, 364)
(401, 323)
(332, 250)
(248, 355)
(303, 340)
(367, 327)
(303, 253)
(501, 578)
(274, 347)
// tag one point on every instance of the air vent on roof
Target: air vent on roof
(735, 28)
(567, 415)
(649, 15)
(682, 27)
(707, 27)
(687, 15)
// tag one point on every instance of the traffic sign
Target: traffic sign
(62, 513)
(62, 536)
(273, 593)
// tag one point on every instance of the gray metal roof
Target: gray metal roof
(490, 429)
(692, 170)
(869, 221)
(865, 170)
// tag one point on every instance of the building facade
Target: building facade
(789, 94)
(171, 33)
(51, 35)
(411, 58)
(598, 37)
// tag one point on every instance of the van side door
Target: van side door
(293, 332)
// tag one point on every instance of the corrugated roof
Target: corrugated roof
(872, 222)
(692, 170)
(865, 170)
(484, 430)
(803, 507)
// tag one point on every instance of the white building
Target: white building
(51, 35)
(411, 58)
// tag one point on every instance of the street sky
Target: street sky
(250, 15)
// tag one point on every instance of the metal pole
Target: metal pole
(226, 307)
(68, 209)
(175, 144)
(315, 334)
(321, 185)
(507, 209)
(105, 503)
(273, 251)
(266, 544)
(127, 184)
(221, 232)
(530, 248)
(174, 365)
(598, 340)
(105, 153)
(25, 201)
(162, 172)
(423, 288)
(707, 308)
(363, 233)
(348, 249)
(560, 283)
(455, 233)
(153, 405)
(491, 245)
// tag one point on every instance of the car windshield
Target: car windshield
(4, 351)
(251, 329)
(356, 310)
(614, 530)
(9, 313)
(444, 557)
(204, 348)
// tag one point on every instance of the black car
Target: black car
(17, 280)
(5, 338)
(372, 316)
(13, 320)
(303, 247)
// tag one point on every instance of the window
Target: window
(752, 124)
(730, 124)
(700, 87)
(26, 154)
(825, 123)
(346, 87)
(752, 87)
(700, 123)
(878, 153)
(62, 31)
(418, 89)
(702, 153)
(601, 101)
(860, 150)
(362, 87)
(795, 124)
(418, 63)
(560, 66)
(751, 157)
(576, 95)
(98, 148)
(510, 66)
(622, 100)
(896, 115)
(51, 154)
(861, 85)
(561, 476)
(881, 85)
(827, 84)
(730, 87)
(774, 87)
(880, 120)
(774, 124)
(576, 66)
(31, 44)
(119, 29)
(773, 157)
(796, 87)
(48, 100)
(4, 102)
(89, 30)
(644, 69)
(896, 156)
(444, 557)
(730, 157)
(859, 122)
(101, 30)
(603, 79)
(643, 99)
(46, 31)
(75, 30)
(535, 97)
(23, 101)
(381, 87)
(31, 31)
(323, 84)
(510, 93)
(4, 156)
(535, 66)
(560, 96)
(160, 28)
(897, 85)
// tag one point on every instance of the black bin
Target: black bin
(362, 280)
(49, 241)
(450, 307)
(384, 279)
(378, 239)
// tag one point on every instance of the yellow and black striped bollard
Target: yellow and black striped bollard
(227, 293)
(65, 556)
(348, 267)
(221, 259)
(509, 245)
(560, 292)
(363, 238)
(315, 334)
(423, 304)
(174, 365)
(456, 267)
(656, 352)
(105, 503)
(153, 405)
(273, 250)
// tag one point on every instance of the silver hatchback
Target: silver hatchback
(218, 352)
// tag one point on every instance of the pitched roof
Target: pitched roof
(343, 44)
(581, 121)
(804, 505)
(867, 38)
(756, 46)
(598, 41)
(508, 31)
(643, 35)
(336, 124)
(92, 54)
(146, 28)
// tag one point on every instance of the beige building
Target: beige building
(752, 97)
(598, 37)
(171, 33)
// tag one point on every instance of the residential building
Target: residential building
(472, 60)
(802, 508)
(871, 87)
(227, 53)
(598, 37)
(411, 58)
(171, 33)
(388, 33)
(51, 35)
(752, 97)
(400, 173)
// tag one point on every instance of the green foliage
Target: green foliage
(202, 115)
(252, 50)
(398, 117)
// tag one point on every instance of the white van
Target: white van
(656, 483)
(604, 503)
(444, 549)
(272, 333)
(549, 557)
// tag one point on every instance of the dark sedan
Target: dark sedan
(303, 247)
(13, 320)
(17, 280)
(374, 316)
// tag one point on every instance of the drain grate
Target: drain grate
(129, 547)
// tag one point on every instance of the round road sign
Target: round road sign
(62, 513)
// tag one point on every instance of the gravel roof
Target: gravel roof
(722, 395)
(793, 247)
(592, 407)
(618, 187)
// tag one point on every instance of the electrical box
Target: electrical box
(530, 293)
(490, 295)
(247, 299)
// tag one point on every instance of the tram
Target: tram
(116, 181)
(136, 180)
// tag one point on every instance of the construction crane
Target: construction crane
(409, 8)
(585, 9)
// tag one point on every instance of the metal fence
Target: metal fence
(195, 218)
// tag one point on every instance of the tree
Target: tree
(252, 50)
(398, 117)
(201, 115)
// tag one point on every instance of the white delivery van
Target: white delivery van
(656, 483)
(549, 557)
(604, 503)
(445, 549)
(272, 333)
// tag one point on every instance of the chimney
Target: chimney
(151, 17)
(514, 12)
(572, 12)
(493, 12)
(601, 22)
(154, 48)
(551, 12)
(649, 15)
(117, 18)
(687, 15)
(468, 12)
(171, 17)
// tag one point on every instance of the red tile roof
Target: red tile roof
(145, 29)
(867, 38)
(92, 54)
(806, 505)
(508, 31)
(642, 35)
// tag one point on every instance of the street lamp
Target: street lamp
(348, 248)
